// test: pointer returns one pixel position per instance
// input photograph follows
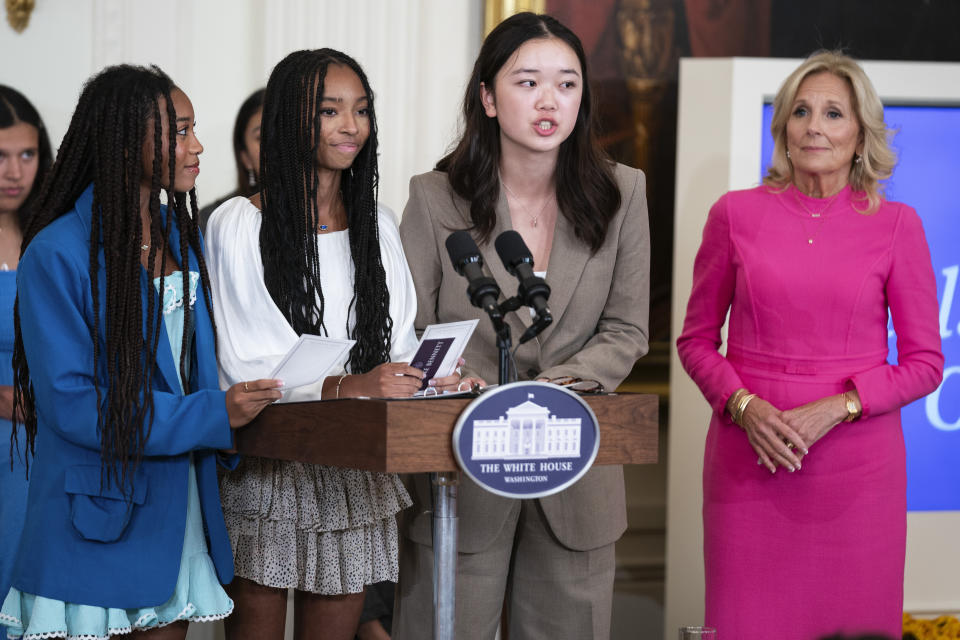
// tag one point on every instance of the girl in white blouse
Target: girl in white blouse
(313, 253)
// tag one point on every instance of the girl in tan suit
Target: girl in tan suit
(529, 160)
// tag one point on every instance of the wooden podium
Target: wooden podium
(409, 436)
(412, 436)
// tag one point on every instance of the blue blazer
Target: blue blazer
(82, 542)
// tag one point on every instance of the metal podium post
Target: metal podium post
(444, 486)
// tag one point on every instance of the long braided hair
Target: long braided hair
(290, 138)
(105, 145)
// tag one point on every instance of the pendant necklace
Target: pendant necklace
(322, 228)
(812, 236)
(534, 219)
(816, 215)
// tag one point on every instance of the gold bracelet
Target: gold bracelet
(741, 407)
(734, 400)
(735, 397)
(339, 382)
(736, 413)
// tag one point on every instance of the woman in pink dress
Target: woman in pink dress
(804, 477)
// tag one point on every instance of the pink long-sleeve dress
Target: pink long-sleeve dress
(796, 556)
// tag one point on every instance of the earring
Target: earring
(858, 159)
(788, 153)
(251, 177)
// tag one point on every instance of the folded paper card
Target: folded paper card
(441, 346)
(310, 359)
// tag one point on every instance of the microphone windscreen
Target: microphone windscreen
(461, 247)
(512, 249)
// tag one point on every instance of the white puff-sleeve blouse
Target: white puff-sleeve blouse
(252, 334)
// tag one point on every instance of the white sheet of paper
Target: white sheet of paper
(310, 359)
(460, 332)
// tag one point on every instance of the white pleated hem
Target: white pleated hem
(139, 625)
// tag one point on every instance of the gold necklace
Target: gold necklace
(534, 219)
(817, 215)
(812, 236)
(814, 214)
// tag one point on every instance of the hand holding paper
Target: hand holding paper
(245, 400)
(441, 346)
(388, 380)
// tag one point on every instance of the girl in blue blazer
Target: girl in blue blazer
(116, 379)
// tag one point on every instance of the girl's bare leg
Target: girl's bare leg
(317, 617)
(259, 612)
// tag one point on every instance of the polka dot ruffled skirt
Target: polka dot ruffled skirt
(326, 530)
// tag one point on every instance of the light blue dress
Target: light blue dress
(13, 482)
(198, 596)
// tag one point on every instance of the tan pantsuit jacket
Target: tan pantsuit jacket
(600, 307)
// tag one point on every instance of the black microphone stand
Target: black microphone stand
(488, 286)
(504, 341)
(502, 330)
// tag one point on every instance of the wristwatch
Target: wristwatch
(853, 408)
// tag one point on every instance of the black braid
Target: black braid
(104, 145)
(74, 165)
(290, 137)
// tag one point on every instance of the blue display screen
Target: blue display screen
(927, 178)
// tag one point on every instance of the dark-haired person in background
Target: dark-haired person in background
(115, 379)
(25, 157)
(529, 160)
(316, 254)
(246, 153)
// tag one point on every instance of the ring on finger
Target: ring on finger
(245, 387)
(460, 386)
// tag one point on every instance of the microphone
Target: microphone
(533, 290)
(465, 256)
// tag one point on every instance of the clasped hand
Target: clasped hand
(784, 438)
